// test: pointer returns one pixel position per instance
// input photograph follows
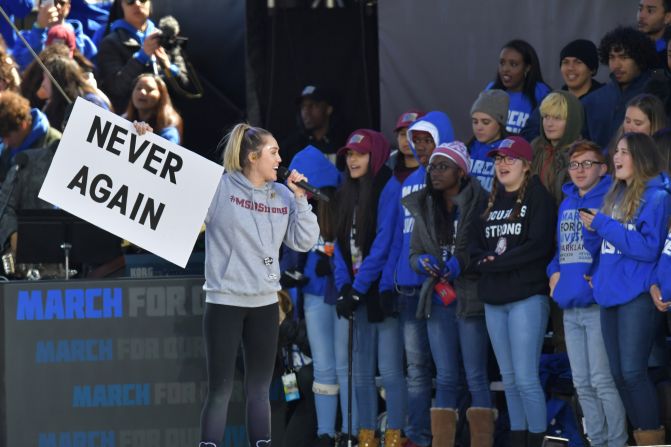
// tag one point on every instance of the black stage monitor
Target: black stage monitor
(42, 232)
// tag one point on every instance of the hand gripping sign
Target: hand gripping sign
(144, 189)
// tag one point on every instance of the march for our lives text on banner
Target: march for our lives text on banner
(144, 189)
(111, 363)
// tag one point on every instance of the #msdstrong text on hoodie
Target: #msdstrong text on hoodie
(572, 260)
(246, 225)
(629, 251)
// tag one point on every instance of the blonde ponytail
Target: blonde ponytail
(240, 141)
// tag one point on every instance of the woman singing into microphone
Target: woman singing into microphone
(247, 222)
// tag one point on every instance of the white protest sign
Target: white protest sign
(144, 189)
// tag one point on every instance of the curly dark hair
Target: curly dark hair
(14, 110)
(634, 43)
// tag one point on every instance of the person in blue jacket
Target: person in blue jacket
(660, 291)
(602, 407)
(327, 334)
(519, 75)
(51, 13)
(131, 46)
(21, 128)
(630, 55)
(367, 204)
(630, 229)
(578, 63)
(488, 119)
(92, 15)
(150, 102)
(653, 18)
(399, 277)
(15, 9)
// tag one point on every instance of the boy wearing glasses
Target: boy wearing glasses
(569, 273)
(51, 13)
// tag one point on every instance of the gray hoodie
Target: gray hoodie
(245, 228)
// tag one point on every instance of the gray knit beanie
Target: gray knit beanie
(494, 103)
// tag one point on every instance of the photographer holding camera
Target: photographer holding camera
(134, 45)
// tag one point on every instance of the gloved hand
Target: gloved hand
(451, 270)
(429, 264)
(348, 300)
(323, 267)
(293, 278)
(388, 303)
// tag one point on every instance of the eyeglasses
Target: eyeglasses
(506, 159)
(130, 2)
(584, 164)
(440, 167)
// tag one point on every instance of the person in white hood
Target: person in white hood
(248, 220)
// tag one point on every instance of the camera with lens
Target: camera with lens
(169, 33)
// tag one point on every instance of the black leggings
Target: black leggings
(224, 327)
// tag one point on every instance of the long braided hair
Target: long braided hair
(521, 192)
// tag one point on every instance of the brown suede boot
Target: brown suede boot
(367, 438)
(650, 437)
(481, 423)
(443, 426)
(392, 438)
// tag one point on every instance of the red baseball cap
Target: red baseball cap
(407, 118)
(514, 146)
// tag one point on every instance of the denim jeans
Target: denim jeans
(600, 401)
(516, 331)
(449, 338)
(328, 342)
(628, 333)
(379, 346)
(419, 370)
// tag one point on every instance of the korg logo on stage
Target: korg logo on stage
(70, 304)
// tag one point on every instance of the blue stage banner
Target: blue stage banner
(111, 363)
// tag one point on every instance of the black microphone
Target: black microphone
(283, 174)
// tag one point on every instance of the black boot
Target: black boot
(324, 441)
(518, 438)
(535, 439)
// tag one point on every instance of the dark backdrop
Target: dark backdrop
(216, 32)
(294, 47)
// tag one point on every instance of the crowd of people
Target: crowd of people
(555, 215)
(112, 54)
(553, 219)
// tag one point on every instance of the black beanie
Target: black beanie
(582, 49)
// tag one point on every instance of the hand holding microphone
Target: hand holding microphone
(295, 181)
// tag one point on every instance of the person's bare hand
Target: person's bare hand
(142, 128)
(294, 178)
(658, 300)
(554, 279)
(152, 43)
(47, 15)
(162, 57)
(587, 220)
